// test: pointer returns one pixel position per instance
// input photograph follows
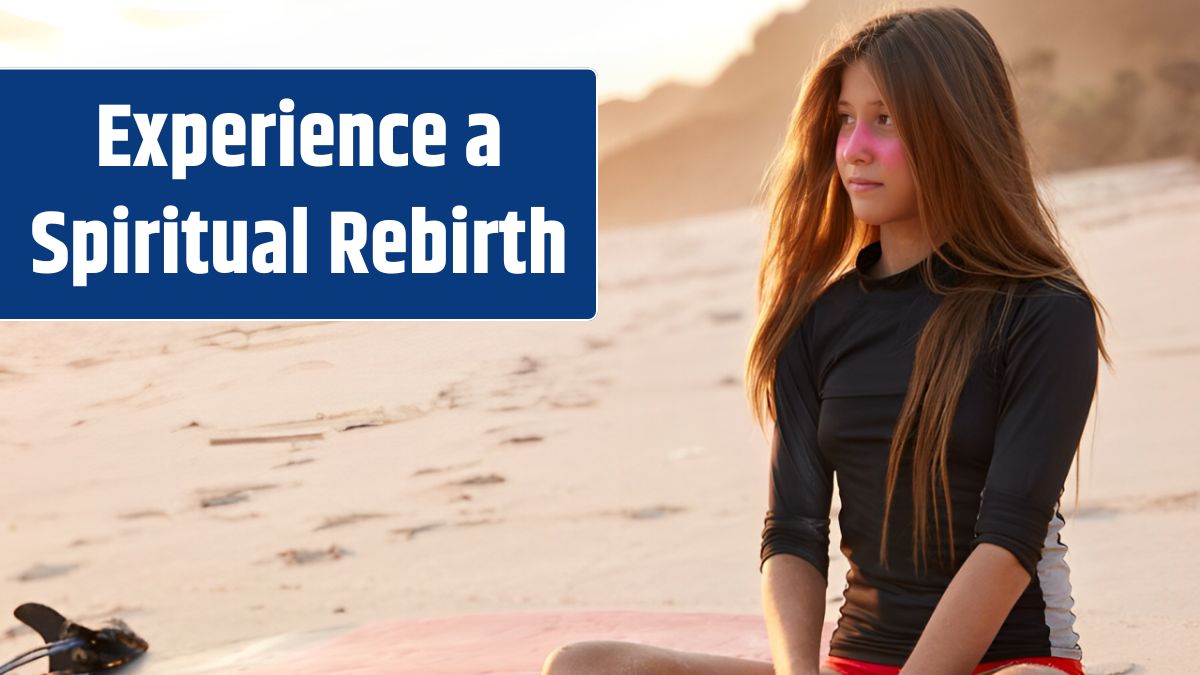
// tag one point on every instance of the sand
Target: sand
(213, 483)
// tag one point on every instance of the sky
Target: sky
(631, 44)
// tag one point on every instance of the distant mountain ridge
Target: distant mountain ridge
(1098, 81)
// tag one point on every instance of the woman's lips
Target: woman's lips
(862, 187)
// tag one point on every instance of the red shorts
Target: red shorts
(852, 667)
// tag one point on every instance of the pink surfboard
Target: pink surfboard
(501, 643)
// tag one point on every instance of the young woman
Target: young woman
(924, 339)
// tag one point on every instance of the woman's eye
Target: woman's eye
(844, 118)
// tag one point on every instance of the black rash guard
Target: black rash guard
(839, 385)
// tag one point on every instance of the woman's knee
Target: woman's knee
(613, 657)
(589, 656)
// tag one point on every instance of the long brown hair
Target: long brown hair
(947, 86)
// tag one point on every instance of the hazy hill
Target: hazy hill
(1099, 81)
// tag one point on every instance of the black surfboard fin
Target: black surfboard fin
(74, 648)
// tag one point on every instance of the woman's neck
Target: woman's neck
(901, 247)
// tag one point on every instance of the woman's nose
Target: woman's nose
(856, 145)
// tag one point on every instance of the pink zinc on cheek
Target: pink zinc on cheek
(887, 151)
(890, 153)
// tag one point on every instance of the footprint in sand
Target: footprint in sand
(41, 571)
(527, 366)
(294, 462)
(214, 497)
(223, 500)
(411, 532)
(520, 440)
(1175, 502)
(306, 556)
(726, 316)
(252, 339)
(347, 519)
(598, 343)
(648, 512)
(448, 397)
(144, 513)
(572, 400)
(442, 469)
(479, 521)
(481, 479)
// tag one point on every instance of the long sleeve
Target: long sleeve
(1048, 382)
(800, 488)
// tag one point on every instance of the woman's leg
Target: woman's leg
(630, 658)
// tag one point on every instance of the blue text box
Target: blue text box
(538, 168)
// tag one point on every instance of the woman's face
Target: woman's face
(869, 149)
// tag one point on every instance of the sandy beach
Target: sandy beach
(217, 482)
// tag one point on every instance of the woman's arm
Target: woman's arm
(1049, 380)
(794, 555)
(794, 606)
(970, 613)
